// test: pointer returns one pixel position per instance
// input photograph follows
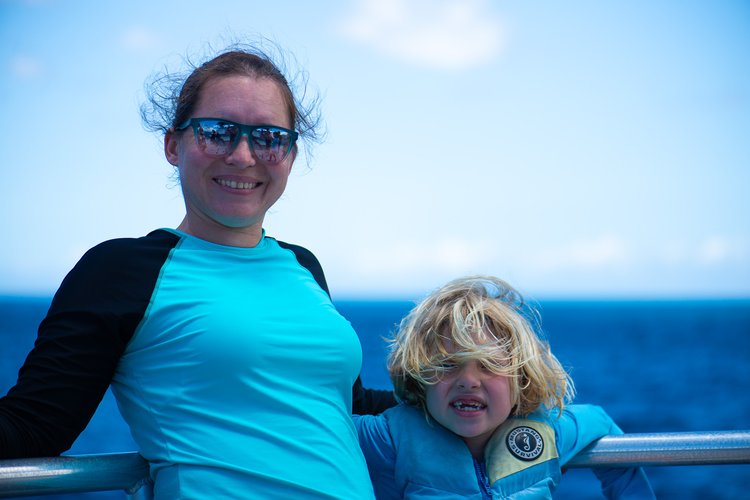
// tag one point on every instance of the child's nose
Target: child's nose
(468, 378)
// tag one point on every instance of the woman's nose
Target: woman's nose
(242, 155)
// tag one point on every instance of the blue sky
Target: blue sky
(578, 149)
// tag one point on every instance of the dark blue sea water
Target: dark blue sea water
(666, 366)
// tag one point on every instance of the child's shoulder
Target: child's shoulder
(403, 411)
(526, 437)
(526, 444)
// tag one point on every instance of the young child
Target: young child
(483, 405)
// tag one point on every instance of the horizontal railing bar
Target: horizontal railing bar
(670, 448)
(72, 474)
(129, 471)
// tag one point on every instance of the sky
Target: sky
(577, 149)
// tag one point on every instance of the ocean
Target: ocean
(655, 366)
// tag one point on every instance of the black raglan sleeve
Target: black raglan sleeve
(364, 401)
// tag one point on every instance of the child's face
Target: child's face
(470, 401)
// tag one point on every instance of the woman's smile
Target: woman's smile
(236, 185)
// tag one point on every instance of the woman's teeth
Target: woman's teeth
(236, 185)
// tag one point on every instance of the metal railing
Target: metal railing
(129, 471)
(669, 448)
(76, 474)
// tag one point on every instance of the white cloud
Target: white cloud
(457, 255)
(26, 68)
(139, 38)
(399, 258)
(445, 34)
(604, 251)
(717, 250)
(712, 251)
(407, 268)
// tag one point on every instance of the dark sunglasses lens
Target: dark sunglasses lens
(271, 144)
(216, 137)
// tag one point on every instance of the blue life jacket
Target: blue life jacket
(521, 459)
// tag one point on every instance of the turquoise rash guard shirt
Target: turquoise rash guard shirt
(235, 372)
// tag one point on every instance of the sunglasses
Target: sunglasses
(218, 138)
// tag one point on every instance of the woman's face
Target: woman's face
(227, 198)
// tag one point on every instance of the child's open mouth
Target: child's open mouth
(462, 405)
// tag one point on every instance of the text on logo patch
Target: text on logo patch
(525, 443)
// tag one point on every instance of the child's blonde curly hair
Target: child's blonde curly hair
(481, 318)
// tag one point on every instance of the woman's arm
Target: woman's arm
(59, 387)
(92, 317)
(370, 401)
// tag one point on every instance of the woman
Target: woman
(229, 363)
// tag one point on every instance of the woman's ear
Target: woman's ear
(294, 156)
(171, 147)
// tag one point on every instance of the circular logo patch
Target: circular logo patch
(525, 443)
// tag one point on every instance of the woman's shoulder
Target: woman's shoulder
(159, 238)
(121, 260)
(302, 253)
(307, 260)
